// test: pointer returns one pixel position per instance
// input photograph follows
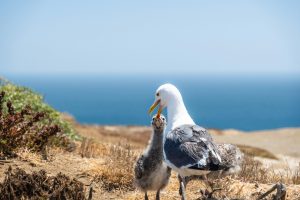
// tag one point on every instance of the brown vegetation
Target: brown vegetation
(20, 185)
(26, 129)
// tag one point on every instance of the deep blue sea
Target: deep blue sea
(245, 103)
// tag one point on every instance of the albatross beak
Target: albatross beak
(156, 103)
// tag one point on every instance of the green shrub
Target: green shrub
(20, 97)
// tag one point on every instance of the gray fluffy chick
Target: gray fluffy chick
(151, 173)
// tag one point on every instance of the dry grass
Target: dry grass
(117, 173)
(28, 156)
(296, 176)
(254, 172)
(225, 188)
(91, 149)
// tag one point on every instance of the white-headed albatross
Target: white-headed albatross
(188, 148)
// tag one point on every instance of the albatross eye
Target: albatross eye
(157, 94)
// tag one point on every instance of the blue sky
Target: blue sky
(142, 37)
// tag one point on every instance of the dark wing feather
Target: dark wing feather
(191, 146)
(139, 168)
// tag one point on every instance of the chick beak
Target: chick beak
(156, 103)
(159, 111)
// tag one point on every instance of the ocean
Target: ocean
(223, 102)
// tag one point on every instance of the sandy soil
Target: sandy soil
(283, 143)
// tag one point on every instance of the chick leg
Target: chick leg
(158, 195)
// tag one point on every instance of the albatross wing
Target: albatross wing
(192, 147)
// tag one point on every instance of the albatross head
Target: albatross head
(164, 95)
(168, 96)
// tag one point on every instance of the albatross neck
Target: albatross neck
(177, 114)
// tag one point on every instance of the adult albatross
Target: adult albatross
(188, 148)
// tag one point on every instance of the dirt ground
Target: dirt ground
(282, 143)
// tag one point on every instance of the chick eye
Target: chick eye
(157, 94)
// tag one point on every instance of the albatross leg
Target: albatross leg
(182, 187)
(187, 179)
(158, 195)
(184, 180)
(146, 196)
